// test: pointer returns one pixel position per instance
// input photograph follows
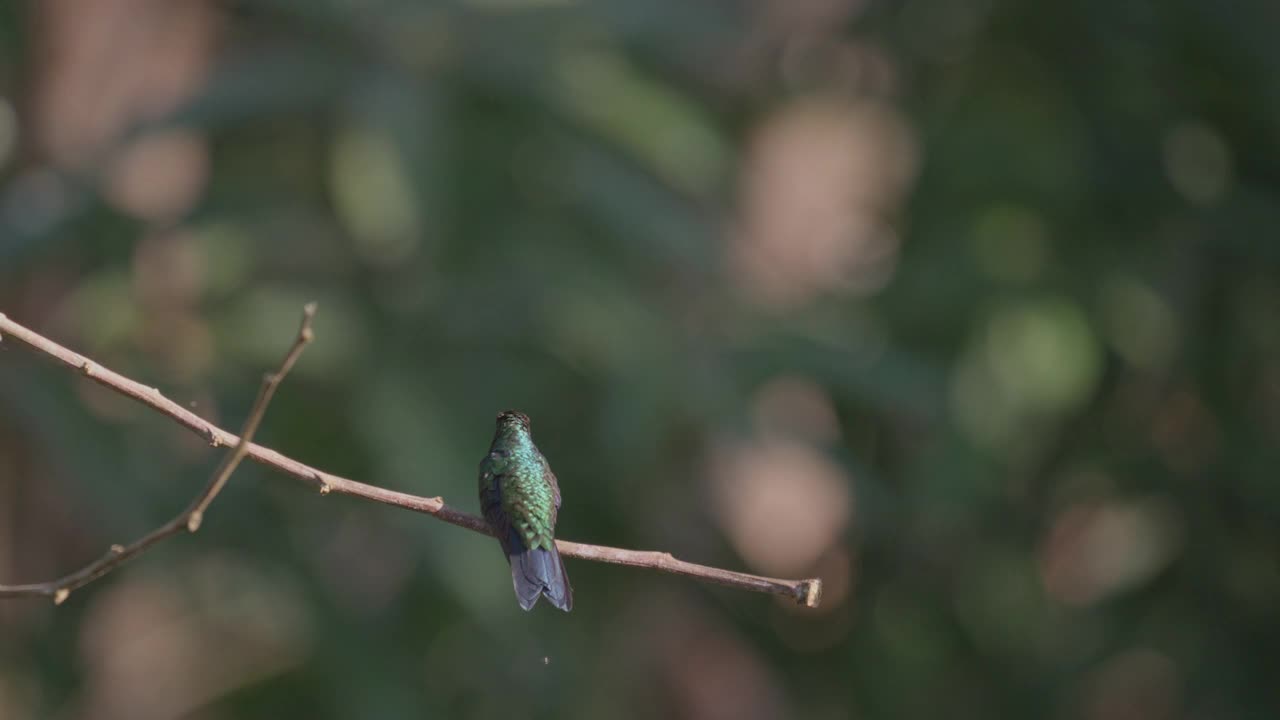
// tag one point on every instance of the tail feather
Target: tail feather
(541, 572)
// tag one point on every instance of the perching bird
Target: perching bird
(520, 500)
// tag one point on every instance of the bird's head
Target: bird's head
(513, 419)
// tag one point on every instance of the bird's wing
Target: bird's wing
(491, 506)
(551, 478)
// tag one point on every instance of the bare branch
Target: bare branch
(190, 518)
(806, 592)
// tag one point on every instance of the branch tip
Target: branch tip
(810, 592)
(305, 333)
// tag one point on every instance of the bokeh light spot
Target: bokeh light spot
(819, 184)
(1198, 162)
(781, 502)
(662, 128)
(1045, 353)
(1140, 324)
(1094, 550)
(373, 195)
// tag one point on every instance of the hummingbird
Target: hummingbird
(520, 499)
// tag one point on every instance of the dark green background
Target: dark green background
(1047, 413)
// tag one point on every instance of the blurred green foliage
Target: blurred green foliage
(968, 306)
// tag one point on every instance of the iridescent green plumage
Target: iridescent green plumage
(520, 500)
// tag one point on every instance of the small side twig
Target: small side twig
(806, 592)
(190, 518)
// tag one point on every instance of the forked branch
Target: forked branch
(190, 518)
(806, 592)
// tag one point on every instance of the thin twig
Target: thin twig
(190, 518)
(806, 592)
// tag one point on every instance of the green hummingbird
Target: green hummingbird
(520, 499)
